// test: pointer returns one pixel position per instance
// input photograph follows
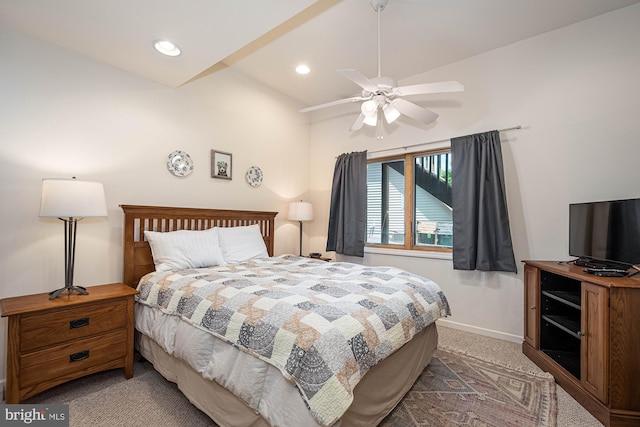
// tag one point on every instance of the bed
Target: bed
(262, 364)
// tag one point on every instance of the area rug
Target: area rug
(460, 390)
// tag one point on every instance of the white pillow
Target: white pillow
(242, 243)
(179, 250)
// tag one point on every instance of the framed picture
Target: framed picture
(221, 165)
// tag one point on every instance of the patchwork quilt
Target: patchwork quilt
(323, 325)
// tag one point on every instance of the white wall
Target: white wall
(576, 92)
(64, 115)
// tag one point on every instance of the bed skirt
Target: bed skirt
(379, 391)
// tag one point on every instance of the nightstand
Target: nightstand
(50, 342)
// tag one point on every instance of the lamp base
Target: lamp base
(300, 238)
(70, 288)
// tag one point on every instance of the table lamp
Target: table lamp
(70, 200)
(300, 211)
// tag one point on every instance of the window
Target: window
(409, 202)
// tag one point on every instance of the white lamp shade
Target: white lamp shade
(371, 120)
(390, 113)
(300, 211)
(369, 108)
(62, 198)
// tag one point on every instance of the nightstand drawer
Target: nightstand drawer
(41, 330)
(55, 362)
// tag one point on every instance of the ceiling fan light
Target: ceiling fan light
(369, 108)
(390, 113)
(371, 120)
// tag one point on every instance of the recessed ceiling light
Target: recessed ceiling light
(303, 69)
(166, 47)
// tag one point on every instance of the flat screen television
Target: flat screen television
(605, 234)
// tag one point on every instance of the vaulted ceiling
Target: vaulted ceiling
(267, 39)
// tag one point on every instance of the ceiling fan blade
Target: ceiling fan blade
(414, 111)
(332, 103)
(358, 78)
(450, 86)
(358, 123)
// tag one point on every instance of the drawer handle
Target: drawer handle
(78, 323)
(81, 355)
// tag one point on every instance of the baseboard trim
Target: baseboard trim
(480, 331)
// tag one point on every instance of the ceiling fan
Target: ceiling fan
(382, 96)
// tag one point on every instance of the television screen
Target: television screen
(606, 231)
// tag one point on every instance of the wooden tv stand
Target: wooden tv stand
(585, 331)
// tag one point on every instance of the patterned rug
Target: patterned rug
(459, 390)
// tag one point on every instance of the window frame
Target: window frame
(409, 201)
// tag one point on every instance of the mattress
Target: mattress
(375, 397)
(287, 328)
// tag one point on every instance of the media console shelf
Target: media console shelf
(585, 331)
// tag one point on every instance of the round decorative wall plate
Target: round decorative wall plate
(179, 163)
(254, 176)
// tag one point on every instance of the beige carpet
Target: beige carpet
(107, 399)
(145, 400)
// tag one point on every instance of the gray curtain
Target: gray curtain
(481, 235)
(348, 211)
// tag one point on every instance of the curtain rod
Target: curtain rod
(433, 142)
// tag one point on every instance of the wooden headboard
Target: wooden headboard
(138, 260)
